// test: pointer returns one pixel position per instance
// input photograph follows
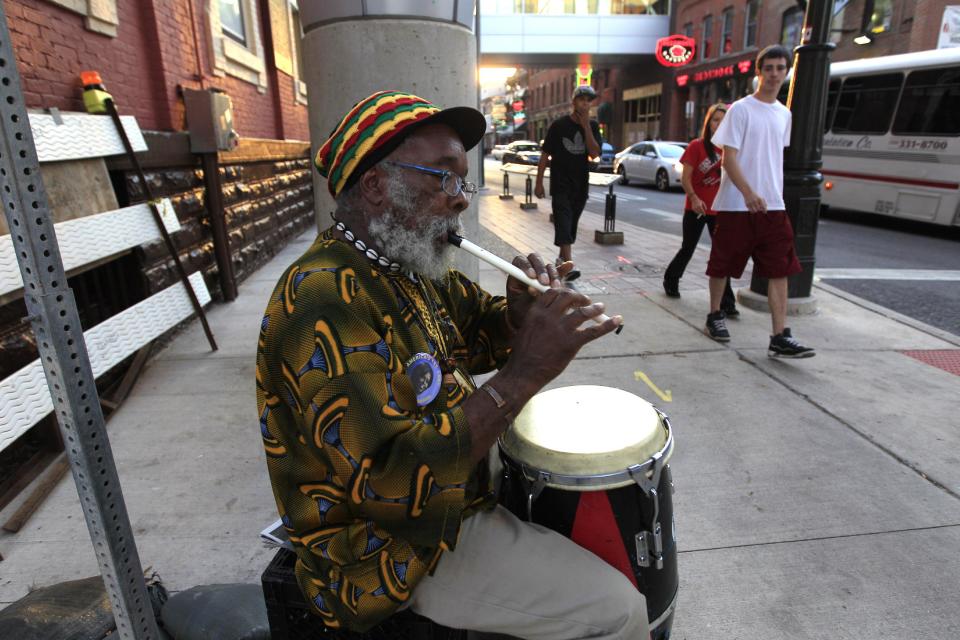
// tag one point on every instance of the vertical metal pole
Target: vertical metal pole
(56, 324)
(804, 157)
(218, 225)
(610, 211)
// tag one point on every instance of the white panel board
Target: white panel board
(24, 397)
(91, 238)
(81, 136)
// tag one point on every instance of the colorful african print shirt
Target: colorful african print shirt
(371, 487)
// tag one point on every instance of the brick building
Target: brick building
(729, 35)
(148, 53)
(628, 105)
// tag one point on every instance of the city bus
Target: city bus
(892, 136)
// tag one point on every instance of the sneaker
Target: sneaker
(572, 275)
(731, 312)
(671, 288)
(786, 346)
(717, 327)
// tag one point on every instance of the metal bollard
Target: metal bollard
(609, 235)
(506, 195)
(529, 203)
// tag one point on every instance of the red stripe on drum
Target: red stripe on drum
(595, 529)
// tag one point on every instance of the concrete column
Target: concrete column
(351, 50)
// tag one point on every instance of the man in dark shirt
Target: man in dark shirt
(571, 141)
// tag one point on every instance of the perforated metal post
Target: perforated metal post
(56, 324)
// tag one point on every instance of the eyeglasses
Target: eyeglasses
(451, 183)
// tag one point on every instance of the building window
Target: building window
(706, 39)
(688, 29)
(231, 20)
(792, 27)
(879, 21)
(726, 37)
(237, 45)
(750, 24)
(296, 39)
(101, 16)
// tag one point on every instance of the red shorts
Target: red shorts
(765, 237)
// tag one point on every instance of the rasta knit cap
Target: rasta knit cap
(377, 125)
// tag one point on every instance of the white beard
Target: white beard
(416, 250)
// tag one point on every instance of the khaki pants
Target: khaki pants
(516, 578)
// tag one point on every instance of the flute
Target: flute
(510, 269)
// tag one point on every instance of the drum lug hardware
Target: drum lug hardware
(535, 490)
(650, 548)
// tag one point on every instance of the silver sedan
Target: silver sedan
(656, 163)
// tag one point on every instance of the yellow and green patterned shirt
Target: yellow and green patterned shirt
(371, 487)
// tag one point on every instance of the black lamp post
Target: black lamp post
(802, 159)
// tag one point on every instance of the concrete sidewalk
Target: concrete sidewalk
(816, 498)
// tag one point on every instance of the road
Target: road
(908, 267)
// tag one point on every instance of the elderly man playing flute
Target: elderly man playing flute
(375, 435)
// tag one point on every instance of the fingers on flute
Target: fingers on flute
(539, 270)
(595, 331)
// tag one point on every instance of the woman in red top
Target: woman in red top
(701, 180)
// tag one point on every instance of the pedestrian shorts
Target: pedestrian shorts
(765, 237)
(567, 207)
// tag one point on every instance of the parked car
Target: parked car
(655, 163)
(605, 162)
(498, 150)
(522, 152)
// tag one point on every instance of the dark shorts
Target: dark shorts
(765, 237)
(567, 207)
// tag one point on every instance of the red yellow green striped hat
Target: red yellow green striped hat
(377, 125)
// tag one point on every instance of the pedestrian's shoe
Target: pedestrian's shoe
(785, 345)
(731, 312)
(717, 327)
(572, 275)
(671, 288)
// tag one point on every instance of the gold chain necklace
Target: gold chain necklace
(419, 296)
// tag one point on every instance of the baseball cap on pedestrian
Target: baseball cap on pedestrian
(584, 90)
(377, 125)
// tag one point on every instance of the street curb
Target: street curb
(913, 323)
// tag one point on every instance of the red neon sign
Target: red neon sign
(744, 66)
(675, 51)
(682, 80)
(713, 74)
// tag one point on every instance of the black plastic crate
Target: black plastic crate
(291, 619)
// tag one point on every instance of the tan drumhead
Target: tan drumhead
(586, 430)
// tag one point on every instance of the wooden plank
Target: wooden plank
(24, 475)
(38, 495)
(24, 396)
(91, 238)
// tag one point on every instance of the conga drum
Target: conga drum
(590, 463)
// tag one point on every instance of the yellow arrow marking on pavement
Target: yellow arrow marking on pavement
(666, 396)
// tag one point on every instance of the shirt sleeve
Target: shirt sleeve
(550, 142)
(692, 155)
(788, 129)
(732, 127)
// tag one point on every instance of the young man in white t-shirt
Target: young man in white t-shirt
(751, 216)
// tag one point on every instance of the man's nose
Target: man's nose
(460, 202)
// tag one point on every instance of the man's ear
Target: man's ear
(372, 185)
